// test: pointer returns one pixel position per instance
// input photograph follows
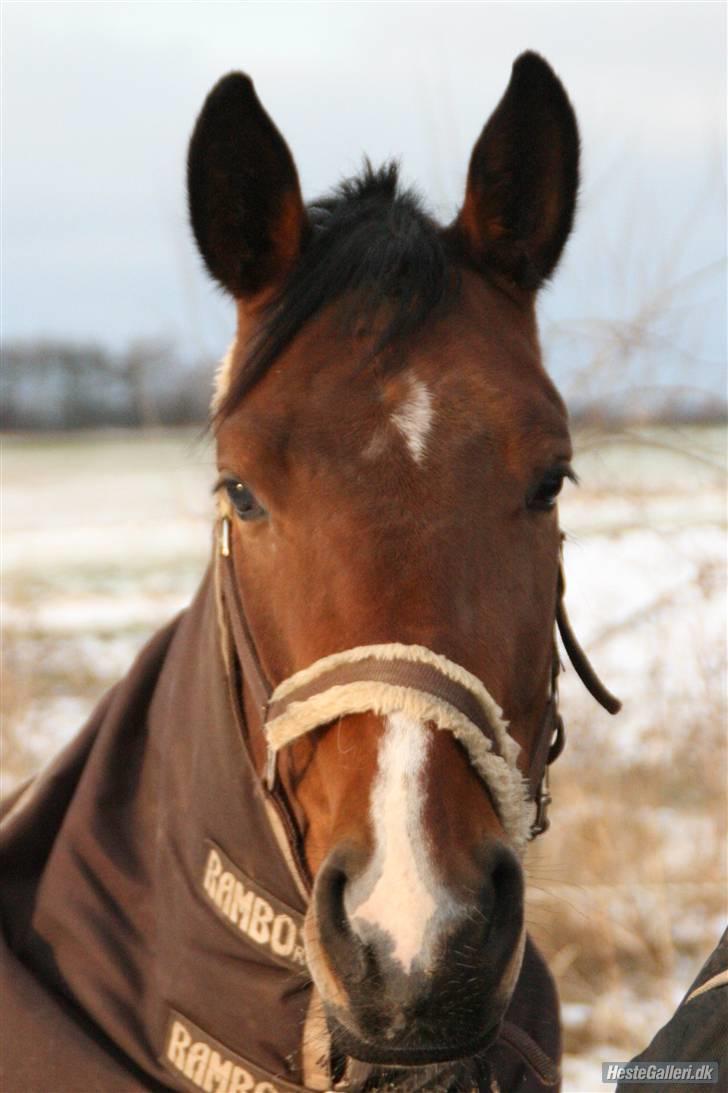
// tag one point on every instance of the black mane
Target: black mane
(370, 240)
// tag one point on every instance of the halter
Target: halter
(423, 684)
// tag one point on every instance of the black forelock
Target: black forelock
(370, 241)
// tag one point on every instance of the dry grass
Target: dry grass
(627, 891)
(46, 677)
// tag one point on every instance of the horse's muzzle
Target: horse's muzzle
(443, 1007)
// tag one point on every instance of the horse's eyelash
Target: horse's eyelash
(222, 482)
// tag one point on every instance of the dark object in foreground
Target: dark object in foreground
(697, 1031)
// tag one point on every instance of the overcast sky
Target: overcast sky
(99, 100)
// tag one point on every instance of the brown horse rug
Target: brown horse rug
(152, 909)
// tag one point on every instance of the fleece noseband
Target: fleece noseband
(423, 685)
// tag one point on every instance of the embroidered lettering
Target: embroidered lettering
(260, 922)
(242, 906)
(261, 918)
(179, 1041)
(198, 1056)
(283, 935)
(242, 1081)
(225, 887)
(212, 872)
(217, 1078)
(208, 1065)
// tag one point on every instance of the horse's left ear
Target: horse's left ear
(523, 179)
(244, 197)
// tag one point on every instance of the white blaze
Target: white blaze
(414, 418)
(398, 894)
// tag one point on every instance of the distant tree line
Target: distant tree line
(648, 405)
(57, 385)
(65, 385)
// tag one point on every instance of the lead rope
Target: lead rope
(544, 1070)
(556, 737)
(578, 657)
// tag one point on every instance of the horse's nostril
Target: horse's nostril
(331, 899)
(506, 877)
(332, 893)
(351, 959)
(501, 894)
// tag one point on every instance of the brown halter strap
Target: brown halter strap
(578, 657)
(550, 739)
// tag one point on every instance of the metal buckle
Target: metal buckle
(225, 537)
(558, 741)
(541, 821)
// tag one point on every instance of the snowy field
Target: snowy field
(106, 535)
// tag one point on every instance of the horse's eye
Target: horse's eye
(543, 497)
(244, 501)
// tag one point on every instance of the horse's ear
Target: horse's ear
(244, 197)
(523, 178)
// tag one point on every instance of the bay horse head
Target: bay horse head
(390, 453)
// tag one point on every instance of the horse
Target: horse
(286, 851)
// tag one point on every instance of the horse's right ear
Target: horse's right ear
(523, 179)
(244, 197)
